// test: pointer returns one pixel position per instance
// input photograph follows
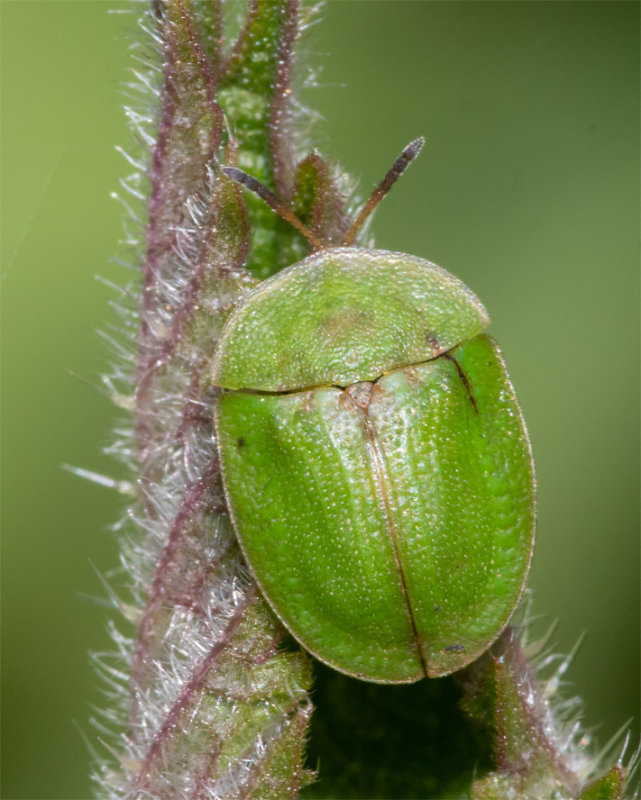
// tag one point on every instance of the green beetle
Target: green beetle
(376, 464)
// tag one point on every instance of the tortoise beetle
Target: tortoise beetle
(376, 464)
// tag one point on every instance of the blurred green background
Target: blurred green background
(527, 190)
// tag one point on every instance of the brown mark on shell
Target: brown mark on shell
(361, 393)
(433, 343)
(335, 325)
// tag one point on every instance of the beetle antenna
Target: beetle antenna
(260, 190)
(398, 168)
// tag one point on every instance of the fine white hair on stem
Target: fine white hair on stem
(206, 646)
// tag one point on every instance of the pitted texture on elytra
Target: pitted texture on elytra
(351, 314)
(383, 562)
